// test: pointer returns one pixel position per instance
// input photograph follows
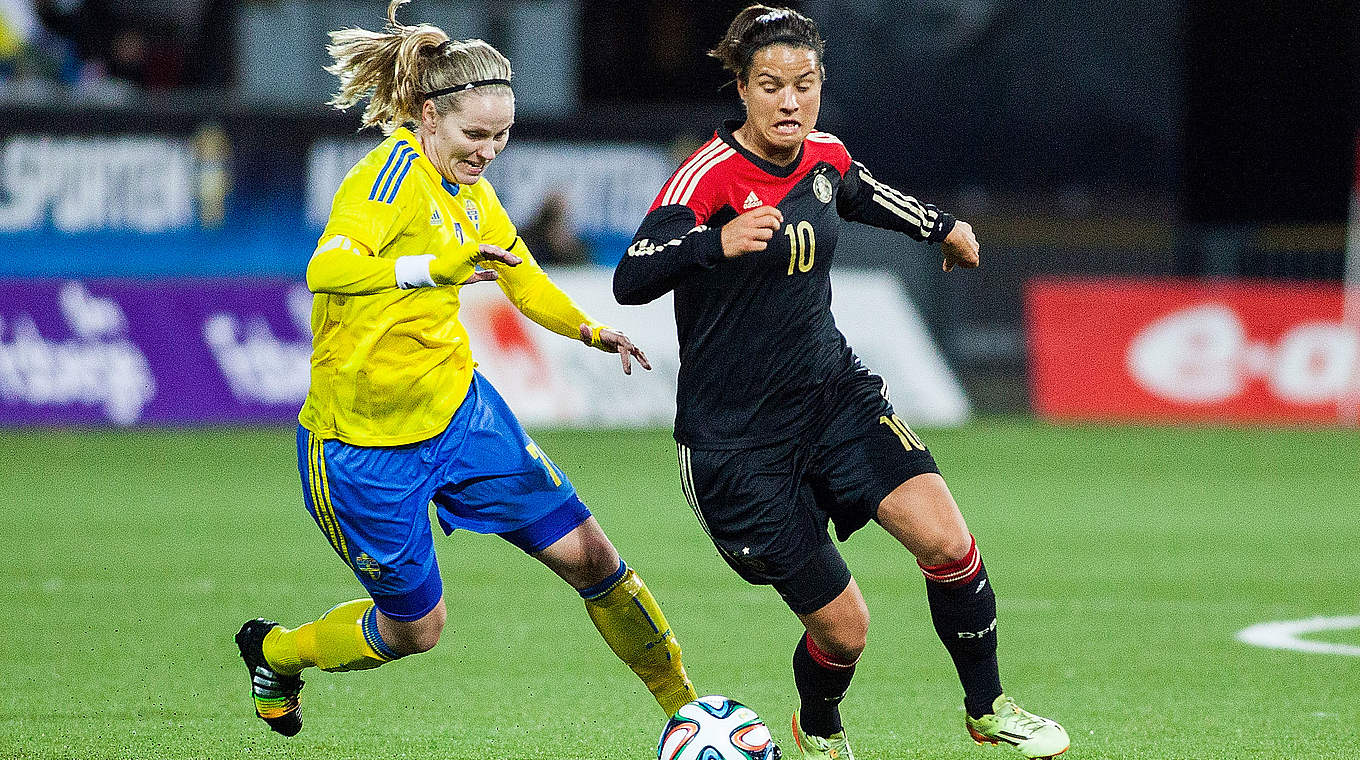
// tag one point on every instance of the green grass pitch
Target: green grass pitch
(1125, 560)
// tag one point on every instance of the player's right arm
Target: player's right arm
(667, 249)
(751, 232)
(344, 267)
(669, 246)
(691, 228)
(368, 212)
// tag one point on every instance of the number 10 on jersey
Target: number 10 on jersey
(802, 245)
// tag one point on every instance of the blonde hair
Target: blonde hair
(394, 70)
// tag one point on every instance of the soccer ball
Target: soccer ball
(716, 728)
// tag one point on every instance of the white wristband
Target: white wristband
(414, 271)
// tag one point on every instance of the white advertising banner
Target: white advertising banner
(96, 184)
(550, 380)
(607, 187)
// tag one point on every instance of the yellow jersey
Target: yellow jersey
(391, 366)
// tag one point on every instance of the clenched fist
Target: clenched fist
(751, 231)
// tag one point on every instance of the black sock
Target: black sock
(822, 682)
(963, 608)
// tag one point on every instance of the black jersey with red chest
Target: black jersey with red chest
(759, 348)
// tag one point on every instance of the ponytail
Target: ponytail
(396, 68)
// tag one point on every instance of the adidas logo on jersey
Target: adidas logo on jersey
(436, 219)
(751, 202)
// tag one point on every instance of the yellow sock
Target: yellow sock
(631, 622)
(345, 638)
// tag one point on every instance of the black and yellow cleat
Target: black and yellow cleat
(275, 694)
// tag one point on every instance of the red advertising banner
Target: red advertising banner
(1177, 350)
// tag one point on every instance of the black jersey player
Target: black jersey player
(780, 430)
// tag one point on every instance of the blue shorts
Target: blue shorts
(483, 474)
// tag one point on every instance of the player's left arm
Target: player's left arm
(540, 299)
(862, 198)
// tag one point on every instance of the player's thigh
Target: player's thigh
(495, 479)
(863, 454)
(872, 465)
(922, 514)
(371, 504)
(756, 507)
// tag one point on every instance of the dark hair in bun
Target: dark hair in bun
(762, 25)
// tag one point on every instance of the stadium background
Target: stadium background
(1145, 399)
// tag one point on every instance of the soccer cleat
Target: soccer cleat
(833, 747)
(1033, 736)
(275, 694)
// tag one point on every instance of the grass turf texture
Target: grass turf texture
(1125, 559)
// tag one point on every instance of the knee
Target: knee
(583, 558)
(945, 548)
(418, 636)
(596, 564)
(424, 641)
(846, 638)
(601, 563)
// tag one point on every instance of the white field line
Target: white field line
(1285, 634)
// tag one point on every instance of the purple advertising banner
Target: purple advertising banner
(163, 352)
(114, 352)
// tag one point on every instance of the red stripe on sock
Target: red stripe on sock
(958, 572)
(825, 660)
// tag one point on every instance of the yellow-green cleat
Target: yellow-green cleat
(1032, 735)
(833, 747)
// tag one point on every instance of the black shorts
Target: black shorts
(767, 509)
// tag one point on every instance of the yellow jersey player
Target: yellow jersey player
(397, 417)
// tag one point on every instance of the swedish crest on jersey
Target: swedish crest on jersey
(368, 566)
(821, 187)
(473, 214)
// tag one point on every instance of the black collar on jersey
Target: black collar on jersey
(466, 87)
(732, 125)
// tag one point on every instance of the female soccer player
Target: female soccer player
(780, 429)
(397, 417)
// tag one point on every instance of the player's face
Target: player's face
(462, 142)
(783, 93)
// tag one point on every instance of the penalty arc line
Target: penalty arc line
(1286, 634)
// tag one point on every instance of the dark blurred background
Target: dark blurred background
(1195, 138)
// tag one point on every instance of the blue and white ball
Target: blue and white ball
(716, 728)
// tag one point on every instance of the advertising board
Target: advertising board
(212, 351)
(1176, 350)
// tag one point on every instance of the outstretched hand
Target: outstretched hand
(442, 269)
(960, 247)
(616, 342)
